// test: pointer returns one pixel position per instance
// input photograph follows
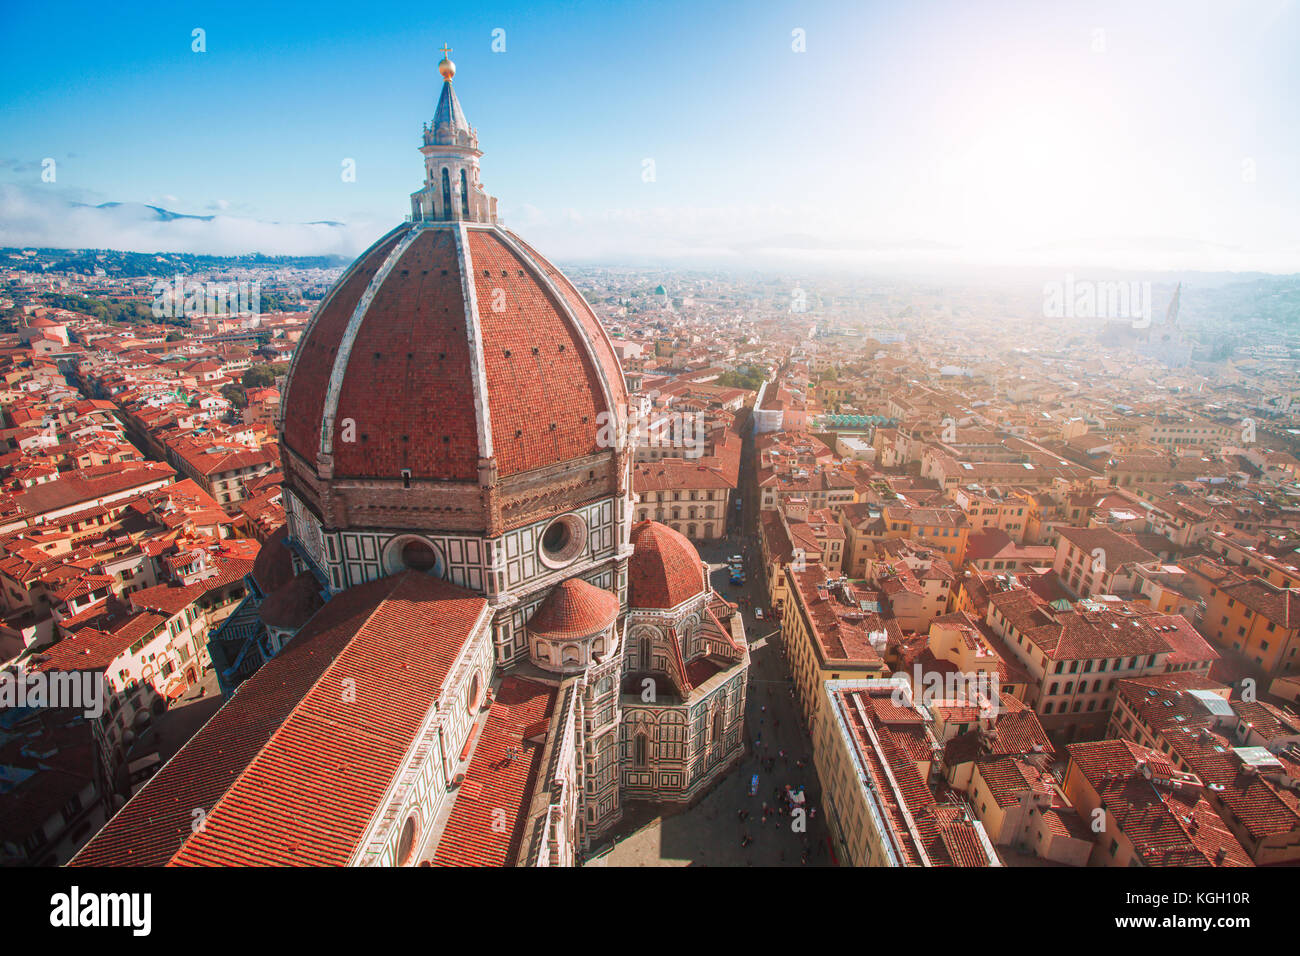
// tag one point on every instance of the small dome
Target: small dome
(574, 609)
(664, 569)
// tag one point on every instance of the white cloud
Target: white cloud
(33, 216)
(748, 235)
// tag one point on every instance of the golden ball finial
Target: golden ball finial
(446, 67)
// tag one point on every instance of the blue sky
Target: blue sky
(1164, 136)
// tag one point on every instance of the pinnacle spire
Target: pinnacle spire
(449, 119)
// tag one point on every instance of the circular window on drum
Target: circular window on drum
(562, 541)
(414, 553)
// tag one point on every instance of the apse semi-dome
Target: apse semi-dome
(664, 570)
(574, 609)
(451, 353)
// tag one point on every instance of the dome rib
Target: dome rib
(561, 299)
(543, 382)
(526, 382)
(313, 357)
(601, 344)
(474, 329)
(407, 384)
(349, 338)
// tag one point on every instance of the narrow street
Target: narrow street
(711, 832)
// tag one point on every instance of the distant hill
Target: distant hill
(116, 262)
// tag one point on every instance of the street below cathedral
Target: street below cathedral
(711, 832)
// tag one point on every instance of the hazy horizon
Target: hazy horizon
(937, 135)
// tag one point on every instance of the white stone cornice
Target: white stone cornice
(350, 337)
(477, 367)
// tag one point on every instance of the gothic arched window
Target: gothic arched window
(464, 195)
(639, 758)
(446, 194)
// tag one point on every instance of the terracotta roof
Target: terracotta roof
(574, 608)
(291, 771)
(408, 382)
(843, 630)
(1119, 548)
(293, 604)
(664, 570)
(87, 484)
(94, 650)
(1167, 826)
(273, 567)
(497, 782)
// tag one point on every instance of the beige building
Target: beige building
(876, 757)
(830, 635)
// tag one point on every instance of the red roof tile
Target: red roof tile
(500, 778)
(664, 569)
(574, 609)
(409, 385)
(290, 771)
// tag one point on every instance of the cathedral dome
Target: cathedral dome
(665, 569)
(450, 352)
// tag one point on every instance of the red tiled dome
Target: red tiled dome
(447, 343)
(574, 609)
(664, 569)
